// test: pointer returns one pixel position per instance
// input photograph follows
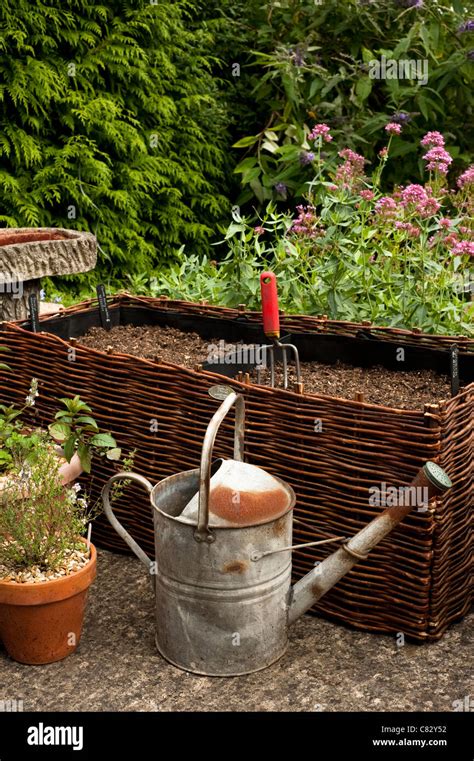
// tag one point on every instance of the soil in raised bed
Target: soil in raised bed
(409, 389)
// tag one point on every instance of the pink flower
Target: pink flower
(429, 207)
(438, 160)
(467, 177)
(443, 222)
(450, 240)
(354, 158)
(351, 170)
(393, 129)
(412, 230)
(306, 222)
(259, 230)
(432, 139)
(413, 194)
(367, 195)
(463, 247)
(320, 130)
(419, 200)
(386, 207)
(383, 153)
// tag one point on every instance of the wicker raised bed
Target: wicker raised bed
(418, 580)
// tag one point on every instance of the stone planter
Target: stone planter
(28, 254)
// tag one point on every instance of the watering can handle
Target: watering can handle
(129, 476)
(203, 533)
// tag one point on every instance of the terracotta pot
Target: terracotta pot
(42, 622)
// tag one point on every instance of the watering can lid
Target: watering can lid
(243, 495)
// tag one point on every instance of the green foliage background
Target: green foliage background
(119, 116)
(311, 63)
(112, 111)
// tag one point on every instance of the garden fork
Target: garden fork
(271, 328)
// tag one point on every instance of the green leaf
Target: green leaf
(63, 415)
(85, 456)
(245, 142)
(69, 447)
(233, 229)
(269, 146)
(86, 419)
(424, 34)
(103, 440)
(59, 431)
(114, 454)
(363, 88)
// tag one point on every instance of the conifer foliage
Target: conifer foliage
(111, 121)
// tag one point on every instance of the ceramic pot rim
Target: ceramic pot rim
(52, 590)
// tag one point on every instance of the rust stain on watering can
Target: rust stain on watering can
(237, 566)
(248, 506)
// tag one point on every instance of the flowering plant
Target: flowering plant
(351, 251)
(355, 65)
(41, 520)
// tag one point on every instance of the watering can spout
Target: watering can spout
(430, 481)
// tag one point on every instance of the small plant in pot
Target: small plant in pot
(46, 566)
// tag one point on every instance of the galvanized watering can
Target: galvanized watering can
(224, 599)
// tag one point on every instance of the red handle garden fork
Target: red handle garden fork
(271, 328)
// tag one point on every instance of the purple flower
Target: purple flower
(392, 128)
(306, 223)
(281, 188)
(466, 26)
(297, 57)
(410, 3)
(401, 118)
(306, 157)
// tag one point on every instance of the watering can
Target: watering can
(224, 599)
